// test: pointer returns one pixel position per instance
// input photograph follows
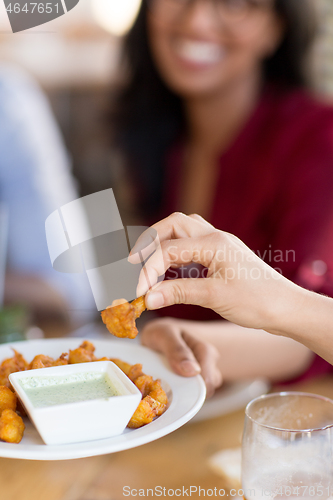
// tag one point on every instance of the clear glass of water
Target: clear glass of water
(288, 447)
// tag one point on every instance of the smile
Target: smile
(201, 53)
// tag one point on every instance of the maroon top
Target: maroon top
(275, 192)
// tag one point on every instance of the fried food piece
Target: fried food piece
(144, 414)
(125, 367)
(88, 346)
(8, 399)
(37, 364)
(11, 365)
(157, 407)
(139, 305)
(41, 361)
(120, 317)
(4, 377)
(154, 399)
(20, 361)
(20, 409)
(61, 360)
(135, 371)
(158, 394)
(144, 383)
(153, 395)
(11, 427)
(147, 410)
(83, 354)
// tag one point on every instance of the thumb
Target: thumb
(179, 291)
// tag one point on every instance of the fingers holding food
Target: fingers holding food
(8, 399)
(11, 427)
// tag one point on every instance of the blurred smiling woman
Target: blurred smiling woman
(216, 119)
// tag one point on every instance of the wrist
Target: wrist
(289, 315)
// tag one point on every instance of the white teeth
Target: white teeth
(199, 52)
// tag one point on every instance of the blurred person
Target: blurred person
(35, 180)
(217, 117)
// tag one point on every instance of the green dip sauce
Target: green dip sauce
(51, 391)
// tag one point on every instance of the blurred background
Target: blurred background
(75, 59)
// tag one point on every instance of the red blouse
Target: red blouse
(275, 192)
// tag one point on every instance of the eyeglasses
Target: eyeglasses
(228, 10)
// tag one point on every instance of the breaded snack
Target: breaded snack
(147, 410)
(158, 394)
(8, 399)
(154, 399)
(83, 354)
(11, 427)
(61, 360)
(11, 365)
(120, 317)
(135, 371)
(125, 367)
(144, 414)
(144, 383)
(41, 361)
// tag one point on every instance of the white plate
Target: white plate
(186, 397)
(232, 398)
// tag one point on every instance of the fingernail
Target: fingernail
(188, 366)
(155, 300)
(133, 257)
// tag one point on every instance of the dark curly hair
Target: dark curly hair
(147, 116)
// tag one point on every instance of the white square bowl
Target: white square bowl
(83, 420)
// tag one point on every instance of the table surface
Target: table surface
(174, 461)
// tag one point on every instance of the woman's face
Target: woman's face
(201, 47)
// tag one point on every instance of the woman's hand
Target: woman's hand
(187, 355)
(239, 285)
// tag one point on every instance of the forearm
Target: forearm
(248, 353)
(308, 318)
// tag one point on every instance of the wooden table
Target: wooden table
(175, 461)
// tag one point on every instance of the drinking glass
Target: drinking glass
(288, 447)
